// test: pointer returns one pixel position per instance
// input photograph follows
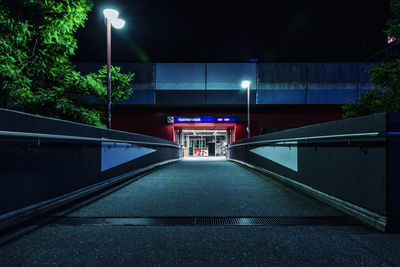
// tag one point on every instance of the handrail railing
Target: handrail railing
(79, 138)
(309, 138)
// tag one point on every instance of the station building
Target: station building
(203, 106)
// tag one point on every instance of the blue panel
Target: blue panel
(141, 85)
(330, 96)
(282, 73)
(281, 96)
(180, 97)
(194, 119)
(228, 76)
(180, 76)
(229, 97)
(288, 85)
(332, 72)
(332, 85)
(140, 97)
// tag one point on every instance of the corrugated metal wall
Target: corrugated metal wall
(219, 83)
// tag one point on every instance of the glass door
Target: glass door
(204, 143)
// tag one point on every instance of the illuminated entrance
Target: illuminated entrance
(203, 143)
(203, 136)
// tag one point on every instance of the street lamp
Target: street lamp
(112, 18)
(246, 84)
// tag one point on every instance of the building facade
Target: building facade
(203, 107)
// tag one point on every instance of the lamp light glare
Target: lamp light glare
(245, 84)
(110, 14)
(117, 23)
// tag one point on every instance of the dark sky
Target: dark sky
(229, 31)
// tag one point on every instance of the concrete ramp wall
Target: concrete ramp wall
(45, 160)
(352, 164)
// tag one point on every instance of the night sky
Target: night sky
(233, 31)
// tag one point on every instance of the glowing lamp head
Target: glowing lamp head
(111, 14)
(118, 23)
(245, 84)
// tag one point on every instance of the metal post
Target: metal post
(248, 111)
(108, 74)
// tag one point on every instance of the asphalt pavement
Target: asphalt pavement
(199, 189)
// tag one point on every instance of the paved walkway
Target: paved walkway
(205, 188)
(201, 188)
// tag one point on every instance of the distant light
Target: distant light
(118, 23)
(245, 84)
(110, 13)
(390, 39)
(253, 59)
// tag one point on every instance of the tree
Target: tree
(119, 84)
(36, 73)
(385, 96)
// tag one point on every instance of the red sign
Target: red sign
(200, 152)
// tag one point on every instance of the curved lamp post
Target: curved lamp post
(112, 18)
(246, 84)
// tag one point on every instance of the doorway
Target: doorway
(204, 143)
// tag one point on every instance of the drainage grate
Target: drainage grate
(203, 221)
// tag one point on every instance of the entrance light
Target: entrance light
(245, 84)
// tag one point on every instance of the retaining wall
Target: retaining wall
(352, 164)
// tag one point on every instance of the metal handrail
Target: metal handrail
(79, 138)
(321, 137)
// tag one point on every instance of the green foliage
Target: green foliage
(119, 84)
(368, 103)
(385, 96)
(36, 74)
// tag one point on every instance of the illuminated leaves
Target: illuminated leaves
(36, 74)
(119, 83)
